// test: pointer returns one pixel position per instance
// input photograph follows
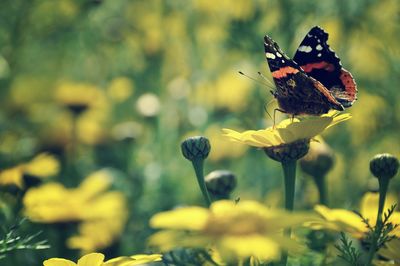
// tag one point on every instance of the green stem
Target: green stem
(383, 187)
(289, 172)
(198, 168)
(321, 186)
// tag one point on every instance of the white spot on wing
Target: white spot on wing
(270, 55)
(305, 49)
(278, 54)
(319, 47)
(319, 54)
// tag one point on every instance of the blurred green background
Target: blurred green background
(150, 73)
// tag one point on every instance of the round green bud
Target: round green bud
(220, 183)
(384, 165)
(288, 151)
(196, 148)
(318, 161)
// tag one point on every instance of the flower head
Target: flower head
(41, 166)
(289, 140)
(350, 222)
(97, 259)
(235, 230)
(287, 131)
(90, 204)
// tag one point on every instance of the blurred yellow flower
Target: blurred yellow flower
(41, 166)
(219, 94)
(97, 259)
(92, 126)
(93, 259)
(78, 97)
(120, 89)
(97, 210)
(350, 222)
(287, 131)
(340, 220)
(239, 230)
(369, 209)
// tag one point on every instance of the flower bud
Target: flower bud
(220, 183)
(318, 161)
(195, 148)
(384, 165)
(288, 151)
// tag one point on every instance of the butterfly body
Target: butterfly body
(313, 82)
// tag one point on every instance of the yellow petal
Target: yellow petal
(370, 203)
(339, 118)
(58, 262)
(12, 176)
(190, 218)
(95, 183)
(92, 259)
(309, 128)
(43, 165)
(340, 220)
(246, 246)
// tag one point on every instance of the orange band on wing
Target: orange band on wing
(320, 65)
(284, 71)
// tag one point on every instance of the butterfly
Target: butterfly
(313, 82)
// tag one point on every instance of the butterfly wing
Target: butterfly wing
(296, 92)
(319, 61)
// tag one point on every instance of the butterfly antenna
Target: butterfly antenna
(265, 78)
(256, 80)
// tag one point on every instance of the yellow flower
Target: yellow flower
(369, 209)
(235, 230)
(120, 89)
(79, 96)
(287, 131)
(93, 259)
(41, 166)
(350, 222)
(339, 220)
(90, 204)
(97, 259)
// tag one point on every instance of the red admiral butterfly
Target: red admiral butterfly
(313, 82)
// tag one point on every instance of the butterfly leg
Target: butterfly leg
(280, 110)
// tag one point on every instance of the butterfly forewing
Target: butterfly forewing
(319, 61)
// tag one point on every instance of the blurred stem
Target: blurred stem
(383, 187)
(321, 186)
(289, 172)
(198, 168)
